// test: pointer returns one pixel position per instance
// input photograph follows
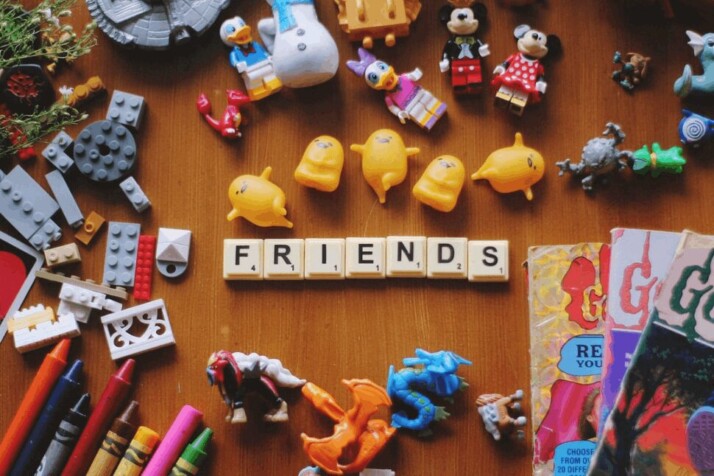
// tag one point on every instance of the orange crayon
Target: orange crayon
(32, 404)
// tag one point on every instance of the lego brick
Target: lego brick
(324, 258)
(377, 472)
(242, 259)
(93, 87)
(37, 327)
(59, 151)
(105, 151)
(48, 275)
(488, 260)
(91, 227)
(24, 203)
(283, 259)
(172, 251)
(152, 322)
(365, 258)
(80, 302)
(406, 256)
(45, 235)
(127, 109)
(65, 199)
(61, 255)
(446, 258)
(135, 194)
(144, 267)
(120, 256)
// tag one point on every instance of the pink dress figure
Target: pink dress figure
(405, 98)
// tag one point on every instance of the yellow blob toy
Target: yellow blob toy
(441, 183)
(513, 168)
(384, 160)
(258, 200)
(321, 164)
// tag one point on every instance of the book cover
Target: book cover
(567, 287)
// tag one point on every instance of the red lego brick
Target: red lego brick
(144, 267)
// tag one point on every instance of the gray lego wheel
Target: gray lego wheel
(105, 151)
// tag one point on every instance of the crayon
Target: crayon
(138, 452)
(31, 405)
(66, 436)
(176, 438)
(115, 442)
(63, 395)
(193, 456)
(98, 424)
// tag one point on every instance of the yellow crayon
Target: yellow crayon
(137, 455)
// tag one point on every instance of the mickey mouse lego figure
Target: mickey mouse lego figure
(521, 78)
(463, 51)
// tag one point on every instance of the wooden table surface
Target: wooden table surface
(327, 331)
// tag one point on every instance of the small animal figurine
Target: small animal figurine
(258, 200)
(520, 80)
(600, 157)
(512, 169)
(405, 98)
(250, 59)
(321, 164)
(658, 161)
(437, 377)
(463, 51)
(304, 54)
(441, 183)
(501, 415)
(365, 20)
(384, 160)
(236, 374)
(357, 437)
(633, 69)
(229, 124)
(703, 46)
(695, 129)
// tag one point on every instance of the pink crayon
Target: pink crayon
(174, 442)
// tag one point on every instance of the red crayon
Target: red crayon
(32, 404)
(109, 404)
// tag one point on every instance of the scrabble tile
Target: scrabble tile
(324, 258)
(365, 258)
(406, 256)
(488, 260)
(283, 259)
(242, 259)
(446, 258)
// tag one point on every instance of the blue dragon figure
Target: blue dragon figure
(437, 377)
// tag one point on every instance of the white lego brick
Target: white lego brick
(324, 258)
(283, 259)
(43, 333)
(488, 260)
(406, 256)
(138, 329)
(365, 258)
(242, 259)
(377, 472)
(446, 258)
(80, 302)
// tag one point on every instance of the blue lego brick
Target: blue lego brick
(58, 152)
(24, 203)
(64, 197)
(45, 235)
(127, 109)
(120, 257)
(135, 194)
(105, 151)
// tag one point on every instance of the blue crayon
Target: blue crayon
(65, 438)
(64, 393)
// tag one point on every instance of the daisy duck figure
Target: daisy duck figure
(236, 373)
(405, 98)
(250, 59)
(520, 80)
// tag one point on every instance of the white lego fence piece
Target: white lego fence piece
(138, 329)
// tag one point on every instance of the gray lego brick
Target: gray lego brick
(135, 195)
(120, 257)
(58, 152)
(64, 197)
(47, 233)
(105, 151)
(24, 203)
(127, 109)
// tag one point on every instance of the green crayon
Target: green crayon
(193, 455)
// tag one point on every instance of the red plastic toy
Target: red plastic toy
(229, 123)
(144, 267)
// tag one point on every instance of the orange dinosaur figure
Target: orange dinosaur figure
(356, 439)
